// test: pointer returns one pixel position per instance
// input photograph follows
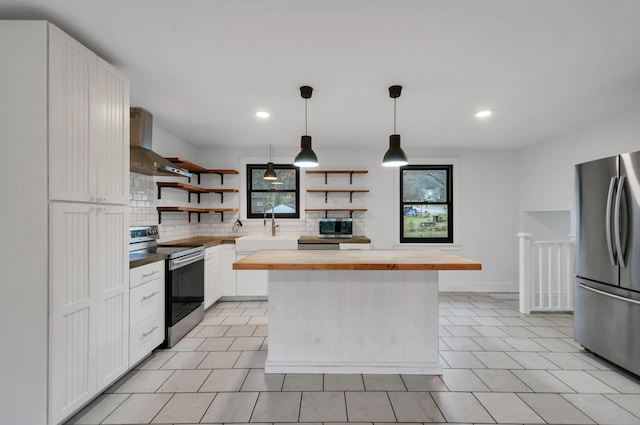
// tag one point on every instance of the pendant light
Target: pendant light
(305, 156)
(270, 174)
(395, 156)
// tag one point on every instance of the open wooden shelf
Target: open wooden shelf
(327, 191)
(337, 171)
(197, 169)
(192, 189)
(327, 172)
(326, 210)
(193, 210)
(189, 166)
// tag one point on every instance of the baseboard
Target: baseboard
(478, 287)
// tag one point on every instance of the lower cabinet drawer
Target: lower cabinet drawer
(144, 336)
(146, 299)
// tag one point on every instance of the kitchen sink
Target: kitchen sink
(259, 242)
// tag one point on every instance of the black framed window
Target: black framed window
(426, 204)
(283, 193)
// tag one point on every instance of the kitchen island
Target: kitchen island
(369, 311)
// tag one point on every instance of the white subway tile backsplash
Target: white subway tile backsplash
(144, 200)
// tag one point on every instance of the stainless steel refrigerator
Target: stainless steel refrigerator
(607, 259)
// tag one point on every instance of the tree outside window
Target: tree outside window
(426, 206)
(283, 193)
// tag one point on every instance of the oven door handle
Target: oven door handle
(181, 262)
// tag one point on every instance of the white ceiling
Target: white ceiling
(204, 67)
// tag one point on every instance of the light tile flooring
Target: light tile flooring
(499, 367)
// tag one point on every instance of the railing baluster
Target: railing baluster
(547, 268)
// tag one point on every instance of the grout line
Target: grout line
(391, 404)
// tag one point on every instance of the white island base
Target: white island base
(353, 321)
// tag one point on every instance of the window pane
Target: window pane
(426, 221)
(287, 176)
(284, 202)
(424, 185)
(285, 195)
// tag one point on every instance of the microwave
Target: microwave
(335, 228)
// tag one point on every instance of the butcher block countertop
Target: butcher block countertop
(355, 260)
(137, 260)
(207, 241)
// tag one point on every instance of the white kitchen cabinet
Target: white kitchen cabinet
(228, 256)
(88, 125)
(147, 310)
(75, 344)
(213, 280)
(251, 282)
(89, 339)
(355, 246)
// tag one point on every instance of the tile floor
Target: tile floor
(499, 367)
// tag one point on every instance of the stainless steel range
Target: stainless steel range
(184, 281)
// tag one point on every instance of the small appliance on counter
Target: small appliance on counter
(184, 280)
(335, 228)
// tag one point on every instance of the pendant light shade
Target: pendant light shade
(305, 156)
(395, 156)
(270, 174)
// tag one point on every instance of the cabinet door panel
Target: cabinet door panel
(228, 257)
(111, 276)
(217, 273)
(71, 159)
(72, 365)
(110, 133)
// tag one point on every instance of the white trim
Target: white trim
(243, 190)
(478, 287)
(425, 368)
(455, 246)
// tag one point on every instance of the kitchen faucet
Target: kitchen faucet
(273, 218)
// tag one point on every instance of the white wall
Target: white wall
(143, 191)
(546, 169)
(486, 211)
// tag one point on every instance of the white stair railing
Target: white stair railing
(546, 275)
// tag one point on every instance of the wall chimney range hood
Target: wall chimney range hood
(143, 159)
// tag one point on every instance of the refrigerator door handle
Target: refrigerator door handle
(612, 254)
(618, 297)
(616, 222)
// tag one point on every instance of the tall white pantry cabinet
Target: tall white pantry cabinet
(64, 121)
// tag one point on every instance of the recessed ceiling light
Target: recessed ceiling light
(262, 114)
(484, 114)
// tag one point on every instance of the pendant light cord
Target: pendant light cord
(306, 133)
(394, 116)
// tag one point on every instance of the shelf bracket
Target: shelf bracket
(159, 215)
(351, 197)
(221, 216)
(159, 192)
(325, 178)
(221, 197)
(194, 212)
(326, 214)
(350, 214)
(197, 174)
(198, 197)
(351, 177)
(326, 197)
(221, 178)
